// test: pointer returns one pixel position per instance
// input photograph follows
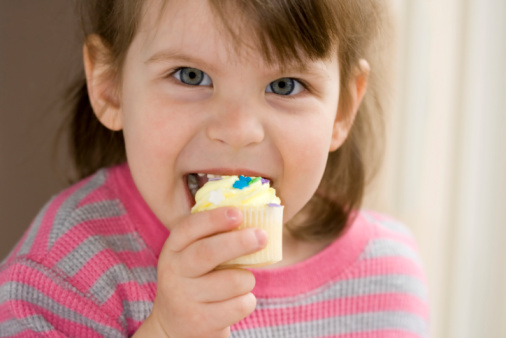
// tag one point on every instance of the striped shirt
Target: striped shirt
(86, 267)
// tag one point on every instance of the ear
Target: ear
(346, 113)
(101, 84)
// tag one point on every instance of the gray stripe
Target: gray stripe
(89, 212)
(385, 247)
(36, 323)
(352, 288)
(107, 283)
(137, 310)
(391, 225)
(77, 258)
(61, 222)
(34, 230)
(20, 291)
(364, 322)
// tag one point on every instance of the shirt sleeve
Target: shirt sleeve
(38, 301)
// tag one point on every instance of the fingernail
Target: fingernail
(261, 237)
(233, 215)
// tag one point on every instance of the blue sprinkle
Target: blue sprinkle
(242, 182)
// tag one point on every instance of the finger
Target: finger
(221, 285)
(203, 224)
(231, 311)
(206, 254)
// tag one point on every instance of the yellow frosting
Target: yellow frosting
(220, 193)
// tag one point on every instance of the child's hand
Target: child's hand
(193, 300)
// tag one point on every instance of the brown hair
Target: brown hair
(286, 31)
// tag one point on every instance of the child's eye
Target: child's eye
(285, 86)
(192, 76)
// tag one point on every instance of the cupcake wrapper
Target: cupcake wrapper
(271, 220)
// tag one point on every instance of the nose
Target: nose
(236, 124)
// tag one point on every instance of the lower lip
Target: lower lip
(189, 196)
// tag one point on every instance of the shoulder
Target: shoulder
(390, 270)
(84, 243)
(389, 237)
(385, 222)
(70, 214)
(391, 249)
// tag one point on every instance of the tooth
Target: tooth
(193, 184)
(192, 179)
(193, 190)
(213, 176)
(201, 174)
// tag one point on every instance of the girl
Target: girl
(259, 88)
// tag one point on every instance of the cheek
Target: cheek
(310, 144)
(149, 128)
(305, 157)
(156, 132)
(309, 160)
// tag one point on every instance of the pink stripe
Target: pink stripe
(339, 307)
(138, 259)
(377, 334)
(135, 292)
(98, 195)
(5, 311)
(312, 273)
(19, 245)
(133, 326)
(81, 232)
(381, 232)
(144, 220)
(386, 266)
(125, 291)
(22, 309)
(106, 259)
(40, 246)
(42, 240)
(365, 268)
(31, 334)
(62, 295)
(26, 309)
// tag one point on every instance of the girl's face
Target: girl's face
(190, 104)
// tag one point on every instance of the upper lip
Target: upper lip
(230, 172)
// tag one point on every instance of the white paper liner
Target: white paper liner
(271, 220)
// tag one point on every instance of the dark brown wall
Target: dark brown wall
(39, 56)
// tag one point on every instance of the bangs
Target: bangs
(284, 32)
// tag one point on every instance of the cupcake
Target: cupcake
(260, 206)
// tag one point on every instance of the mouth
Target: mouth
(195, 181)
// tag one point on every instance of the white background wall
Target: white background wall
(446, 160)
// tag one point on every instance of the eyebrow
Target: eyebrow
(312, 71)
(172, 55)
(167, 55)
